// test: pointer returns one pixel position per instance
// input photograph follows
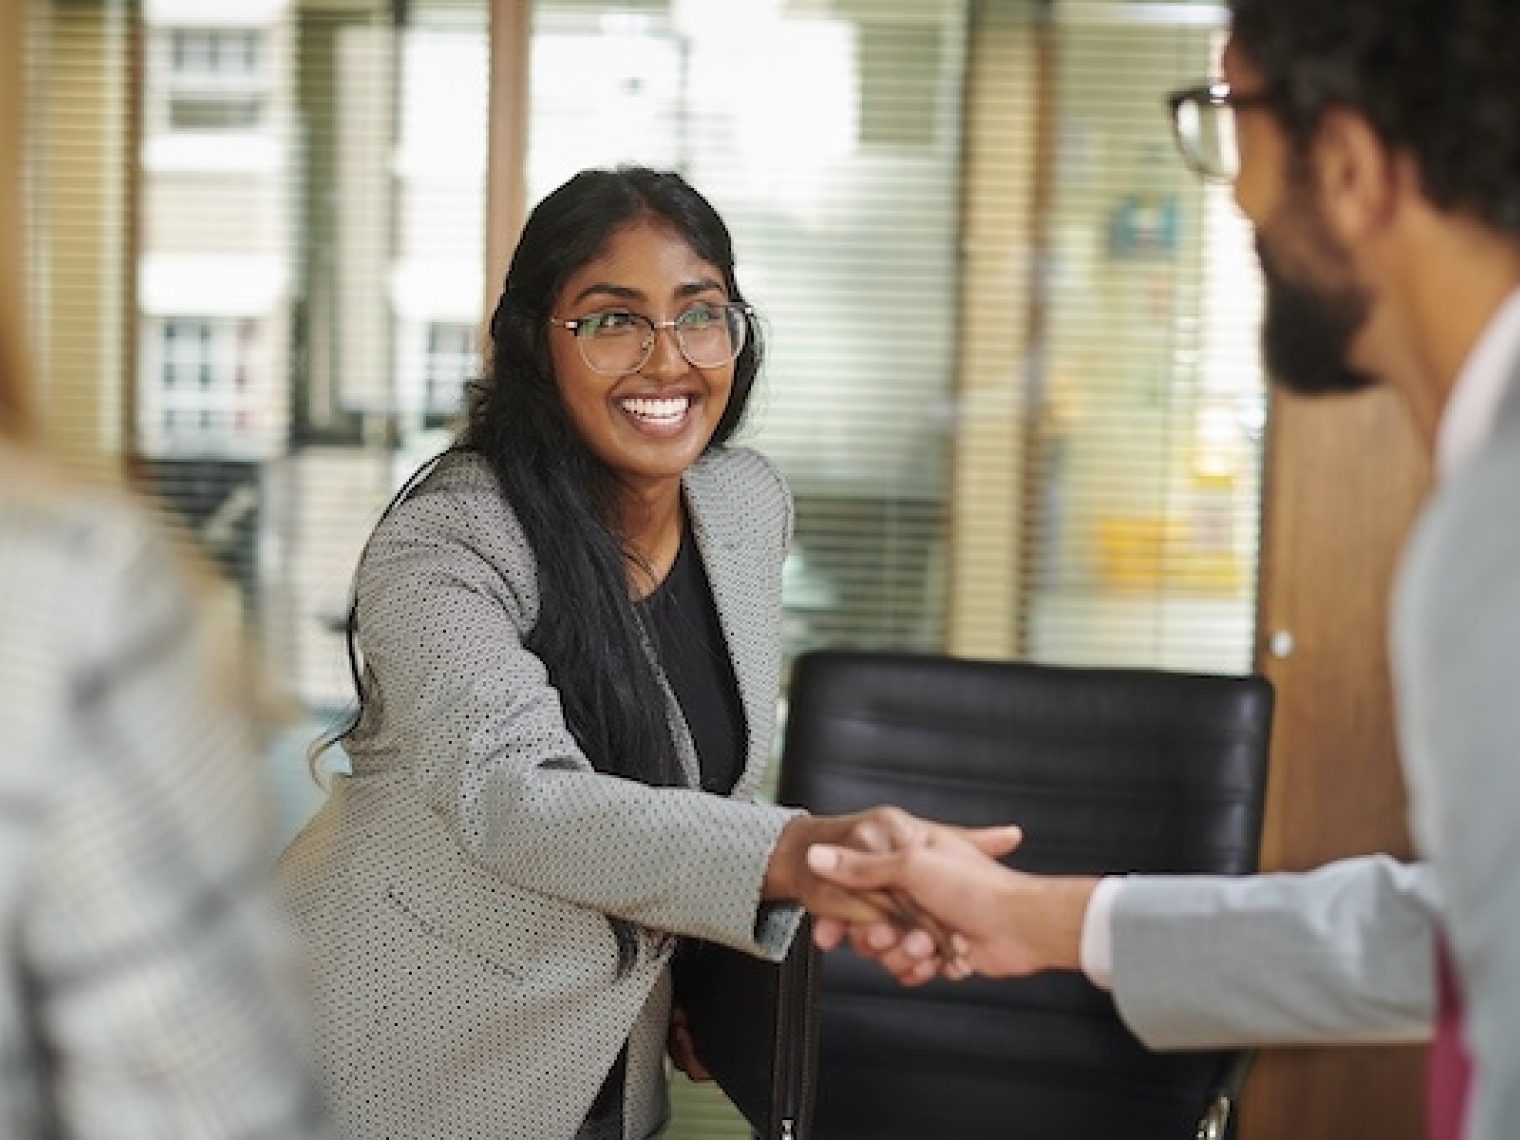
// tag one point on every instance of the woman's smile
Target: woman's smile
(659, 416)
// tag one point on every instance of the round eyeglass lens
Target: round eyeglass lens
(614, 342)
(711, 336)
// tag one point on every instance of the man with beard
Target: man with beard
(1375, 145)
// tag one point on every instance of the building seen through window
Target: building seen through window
(215, 79)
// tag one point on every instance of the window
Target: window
(200, 392)
(899, 77)
(845, 220)
(215, 79)
(208, 53)
(450, 363)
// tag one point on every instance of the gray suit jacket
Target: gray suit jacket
(1457, 657)
(455, 888)
(1344, 954)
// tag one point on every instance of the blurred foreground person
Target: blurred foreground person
(146, 988)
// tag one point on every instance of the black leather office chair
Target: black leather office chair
(1107, 770)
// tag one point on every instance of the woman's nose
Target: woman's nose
(665, 356)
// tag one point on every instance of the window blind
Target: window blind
(1011, 372)
(257, 235)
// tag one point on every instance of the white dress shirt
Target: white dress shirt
(1465, 425)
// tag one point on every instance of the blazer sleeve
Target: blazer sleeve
(446, 597)
(1337, 955)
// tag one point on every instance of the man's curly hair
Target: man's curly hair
(1439, 79)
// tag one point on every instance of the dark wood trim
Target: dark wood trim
(15, 416)
(507, 148)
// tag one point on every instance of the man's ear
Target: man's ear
(1356, 175)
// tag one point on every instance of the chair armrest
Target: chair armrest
(1217, 1117)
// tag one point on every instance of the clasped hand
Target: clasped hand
(880, 919)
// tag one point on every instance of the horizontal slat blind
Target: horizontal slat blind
(1017, 423)
(257, 237)
(1140, 532)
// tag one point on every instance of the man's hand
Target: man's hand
(1012, 923)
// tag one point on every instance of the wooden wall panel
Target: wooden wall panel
(1344, 481)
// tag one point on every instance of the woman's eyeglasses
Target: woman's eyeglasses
(618, 342)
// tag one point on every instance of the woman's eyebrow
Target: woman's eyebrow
(626, 293)
(608, 289)
(701, 285)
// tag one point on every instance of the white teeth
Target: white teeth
(672, 408)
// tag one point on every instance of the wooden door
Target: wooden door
(1344, 480)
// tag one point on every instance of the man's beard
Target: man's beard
(1307, 328)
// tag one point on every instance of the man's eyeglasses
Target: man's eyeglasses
(618, 342)
(1203, 119)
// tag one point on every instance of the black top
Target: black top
(680, 613)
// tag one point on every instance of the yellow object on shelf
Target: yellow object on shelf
(1148, 552)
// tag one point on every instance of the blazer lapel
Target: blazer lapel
(741, 579)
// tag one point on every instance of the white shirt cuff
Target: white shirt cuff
(1097, 949)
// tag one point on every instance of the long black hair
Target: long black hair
(588, 632)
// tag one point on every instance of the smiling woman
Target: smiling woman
(571, 651)
(644, 402)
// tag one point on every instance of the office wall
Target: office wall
(1344, 480)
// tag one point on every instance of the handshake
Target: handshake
(927, 899)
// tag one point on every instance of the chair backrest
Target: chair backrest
(1107, 770)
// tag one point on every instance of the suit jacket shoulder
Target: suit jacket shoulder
(739, 491)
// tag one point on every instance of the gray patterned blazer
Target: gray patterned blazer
(147, 985)
(455, 888)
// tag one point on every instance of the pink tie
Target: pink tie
(1450, 1064)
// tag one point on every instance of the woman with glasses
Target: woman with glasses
(569, 652)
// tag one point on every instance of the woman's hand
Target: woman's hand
(886, 914)
(683, 1050)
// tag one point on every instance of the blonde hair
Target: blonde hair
(15, 406)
